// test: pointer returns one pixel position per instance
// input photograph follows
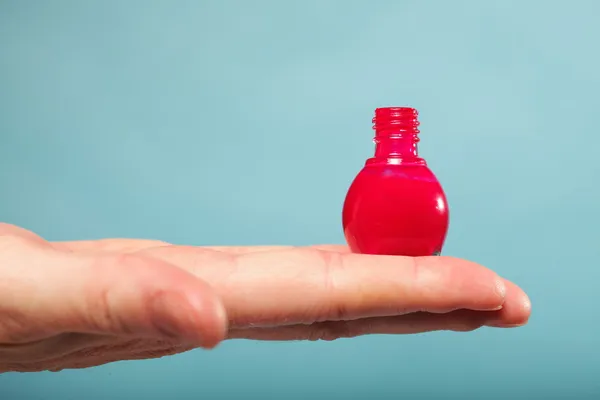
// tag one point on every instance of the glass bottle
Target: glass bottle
(395, 205)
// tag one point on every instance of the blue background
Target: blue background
(232, 122)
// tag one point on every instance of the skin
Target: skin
(87, 303)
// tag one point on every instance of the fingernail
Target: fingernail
(500, 291)
(521, 316)
(500, 288)
(493, 308)
(527, 303)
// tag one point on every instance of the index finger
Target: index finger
(307, 285)
(126, 245)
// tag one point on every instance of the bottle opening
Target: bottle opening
(396, 135)
(396, 121)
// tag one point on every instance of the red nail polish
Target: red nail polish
(396, 206)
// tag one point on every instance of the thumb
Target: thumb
(53, 292)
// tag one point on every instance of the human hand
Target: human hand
(81, 304)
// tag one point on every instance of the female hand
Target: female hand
(82, 304)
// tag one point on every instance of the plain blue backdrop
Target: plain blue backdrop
(233, 122)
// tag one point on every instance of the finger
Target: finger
(421, 322)
(256, 249)
(112, 294)
(133, 245)
(109, 245)
(309, 285)
(515, 311)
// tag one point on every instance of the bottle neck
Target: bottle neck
(396, 136)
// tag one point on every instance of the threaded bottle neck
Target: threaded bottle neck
(394, 121)
(396, 134)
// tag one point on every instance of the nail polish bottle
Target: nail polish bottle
(395, 205)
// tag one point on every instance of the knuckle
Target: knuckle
(333, 266)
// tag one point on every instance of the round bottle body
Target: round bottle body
(396, 209)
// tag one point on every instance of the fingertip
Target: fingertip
(515, 311)
(195, 316)
(464, 284)
(211, 322)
